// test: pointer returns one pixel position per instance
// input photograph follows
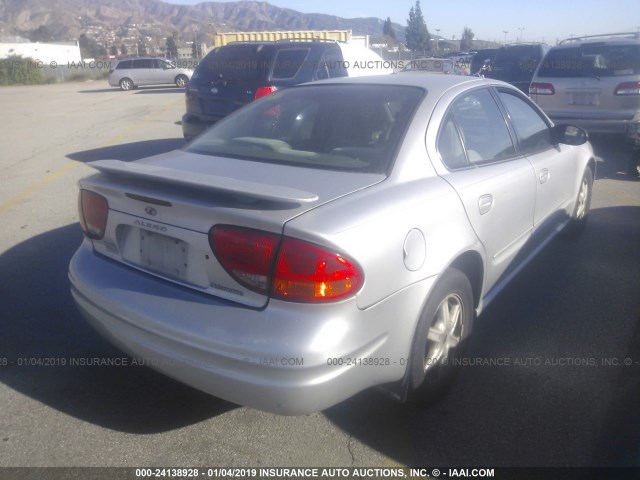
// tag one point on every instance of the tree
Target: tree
(387, 29)
(123, 49)
(466, 39)
(172, 48)
(417, 35)
(142, 47)
(89, 48)
(113, 50)
(41, 34)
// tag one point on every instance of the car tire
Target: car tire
(443, 328)
(181, 81)
(580, 215)
(126, 84)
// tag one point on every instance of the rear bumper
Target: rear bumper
(629, 128)
(280, 359)
(193, 126)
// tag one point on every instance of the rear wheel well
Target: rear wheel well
(470, 263)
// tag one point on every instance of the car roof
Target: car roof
(143, 58)
(600, 41)
(435, 84)
(621, 38)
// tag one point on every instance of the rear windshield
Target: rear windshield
(592, 61)
(517, 62)
(236, 63)
(354, 128)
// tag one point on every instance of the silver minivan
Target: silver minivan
(131, 72)
(593, 82)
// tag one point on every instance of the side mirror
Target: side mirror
(569, 135)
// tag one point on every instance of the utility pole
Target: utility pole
(505, 35)
(437, 38)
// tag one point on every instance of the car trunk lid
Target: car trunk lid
(161, 210)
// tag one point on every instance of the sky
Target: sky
(533, 21)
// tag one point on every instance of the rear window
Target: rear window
(517, 62)
(354, 128)
(236, 63)
(288, 63)
(592, 61)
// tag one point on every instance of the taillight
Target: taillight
(287, 268)
(628, 88)
(263, 92)
(247, 255)
(94, 211)
(541, 89)
(308, 273)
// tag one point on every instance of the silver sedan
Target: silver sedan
(328, 238)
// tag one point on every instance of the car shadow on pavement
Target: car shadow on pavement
(153, 91)
(128, 152)
(545, 381)
(142, 90)
(56, 358)
(607, 148)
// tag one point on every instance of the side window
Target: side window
(159, 63)
(532, 131)
(482, 127)
(125, 64)
(288, 63)
(143, 63)
(450, 145)
(331, 65)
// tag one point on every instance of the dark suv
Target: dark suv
(515, 64)
(236, 74)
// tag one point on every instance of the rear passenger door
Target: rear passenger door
(496, 185)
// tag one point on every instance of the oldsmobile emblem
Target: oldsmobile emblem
(214, 90)
(150, 211)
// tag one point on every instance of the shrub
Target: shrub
(16, 70)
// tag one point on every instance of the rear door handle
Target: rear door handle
(485, 203)
(544, 175)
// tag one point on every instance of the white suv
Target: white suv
(593, 82)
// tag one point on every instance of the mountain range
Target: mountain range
(67, 19)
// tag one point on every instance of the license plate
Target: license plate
(583, 98)
(163, 254)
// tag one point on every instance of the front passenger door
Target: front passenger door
(554, 165)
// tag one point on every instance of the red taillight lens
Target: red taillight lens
(263, 92)
(303, 272)
(309, 273)
(247, 255)
(628, 88)
(541, 89)
(94, 211)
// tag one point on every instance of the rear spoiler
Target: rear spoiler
(185, 178)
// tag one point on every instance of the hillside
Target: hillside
(67, 19)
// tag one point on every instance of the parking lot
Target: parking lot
(553, 367)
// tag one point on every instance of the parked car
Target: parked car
(130, 73)
(445, 66)
(327, 238)
(236, 74)
(481, 59)
(594, 82)
(516, 63)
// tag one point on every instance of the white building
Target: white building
(61, 53)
